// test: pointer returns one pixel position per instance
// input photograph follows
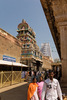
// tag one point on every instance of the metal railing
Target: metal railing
(10, 77)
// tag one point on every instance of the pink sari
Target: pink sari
(40, 86)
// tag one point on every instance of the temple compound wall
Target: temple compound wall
(9, 46)
(46, 63)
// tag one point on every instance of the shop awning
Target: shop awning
(2, 62)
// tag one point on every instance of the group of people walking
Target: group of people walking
(48, 89)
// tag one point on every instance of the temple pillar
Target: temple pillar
(63, 45)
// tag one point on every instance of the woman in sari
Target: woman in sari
(40, 86)
(32, 90)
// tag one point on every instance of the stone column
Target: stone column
(63, 45)
(60, 14)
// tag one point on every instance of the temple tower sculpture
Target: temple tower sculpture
(30, 54)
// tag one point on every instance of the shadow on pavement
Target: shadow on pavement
(18, 93)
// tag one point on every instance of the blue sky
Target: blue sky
(13, 11)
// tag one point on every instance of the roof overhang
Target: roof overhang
(8, 63)
(56, 64)
(52, 22)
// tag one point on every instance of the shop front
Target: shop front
(11, 73)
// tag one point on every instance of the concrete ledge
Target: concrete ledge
(11, 87)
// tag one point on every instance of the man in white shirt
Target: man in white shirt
(51, 88)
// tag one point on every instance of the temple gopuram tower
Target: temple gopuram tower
(30, 54)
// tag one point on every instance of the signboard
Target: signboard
(8, 58)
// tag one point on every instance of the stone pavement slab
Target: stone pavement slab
(15, 93)
(11, 87)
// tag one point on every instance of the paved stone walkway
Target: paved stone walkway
(14, 93)
(17, 92)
